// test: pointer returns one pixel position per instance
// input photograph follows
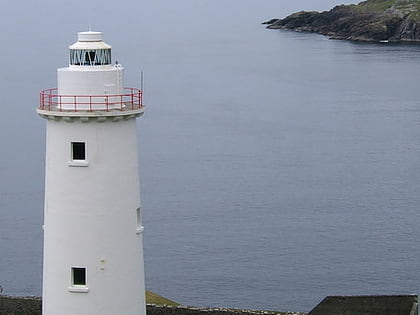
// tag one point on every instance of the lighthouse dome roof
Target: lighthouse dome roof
(90, 40)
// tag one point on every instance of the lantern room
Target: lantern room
(90, 82)
(90, 50)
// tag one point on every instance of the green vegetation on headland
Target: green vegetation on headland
(153, 298)
(371, 20)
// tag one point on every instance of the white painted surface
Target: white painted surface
(90, 40)
(89, 36)
(91, 218)
(89, 80)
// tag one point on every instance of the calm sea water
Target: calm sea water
(286, 170)
(276, 167)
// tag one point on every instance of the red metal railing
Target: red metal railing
(131, 99)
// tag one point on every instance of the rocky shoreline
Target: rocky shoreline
(331, 305)
(12, 305)
(369, 21)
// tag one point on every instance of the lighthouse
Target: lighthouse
(93, 232)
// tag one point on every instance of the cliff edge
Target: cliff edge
(371, 20)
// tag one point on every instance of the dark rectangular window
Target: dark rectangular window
(78, 151)
(78, 276)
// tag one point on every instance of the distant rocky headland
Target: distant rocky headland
(371, 20)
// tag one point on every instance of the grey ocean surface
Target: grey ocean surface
(276, 167)
(289, 173)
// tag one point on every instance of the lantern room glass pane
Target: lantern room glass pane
(90, 57)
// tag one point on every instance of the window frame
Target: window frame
(78, 274)
(78, 287)
(78, 162)
(78, 151)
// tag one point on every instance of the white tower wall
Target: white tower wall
(94, 81)
(78, 80)
(92, 218)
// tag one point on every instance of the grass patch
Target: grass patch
(409, 8)
(406, 6)
(377, 5)
(153, 298)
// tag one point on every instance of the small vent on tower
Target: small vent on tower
(139, 224)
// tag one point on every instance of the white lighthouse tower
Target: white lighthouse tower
(93, 254)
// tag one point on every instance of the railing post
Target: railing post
(132, 100)
(141, 98)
